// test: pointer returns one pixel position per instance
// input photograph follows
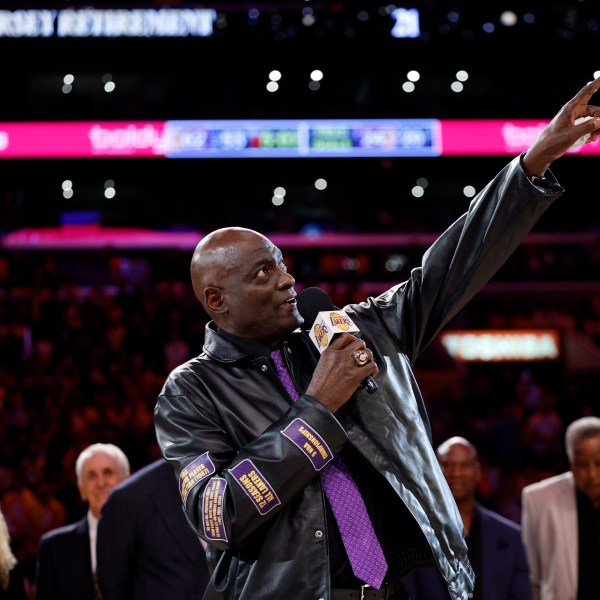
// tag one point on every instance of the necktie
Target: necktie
(97, 594)
(363, 549)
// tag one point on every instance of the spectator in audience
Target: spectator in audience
(12, 579)
(542, 432)
(561, 521)
(30, 509)
(146, 549)
(495, 548)
(66, 565)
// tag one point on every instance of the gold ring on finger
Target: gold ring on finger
(361, 357)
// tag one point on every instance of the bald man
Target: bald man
(256, 424)
(496, 551)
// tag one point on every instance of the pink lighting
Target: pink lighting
(152, 139)
(81, 139)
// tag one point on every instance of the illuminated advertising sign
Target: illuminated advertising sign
(93, 22)
(502, 345)
(272, 138)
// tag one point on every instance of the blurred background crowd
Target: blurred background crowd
(83, 361)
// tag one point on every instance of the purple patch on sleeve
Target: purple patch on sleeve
(310, 442)
(256, 486)
(212, 509)
(199, 469)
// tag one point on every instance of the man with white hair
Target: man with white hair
(66, 563)
(561, 521)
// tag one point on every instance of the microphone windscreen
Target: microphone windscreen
(311, 301)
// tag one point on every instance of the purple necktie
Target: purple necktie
(361, 543)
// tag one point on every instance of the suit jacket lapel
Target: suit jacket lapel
(567, 522)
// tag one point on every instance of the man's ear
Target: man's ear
(215, 301)
(82, 493)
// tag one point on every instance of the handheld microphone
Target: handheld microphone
(316, 307)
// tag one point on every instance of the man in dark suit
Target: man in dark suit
(146, 548)
(66, 562)
(494, 543)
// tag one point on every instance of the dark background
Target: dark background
(87, 337)
(525, 71)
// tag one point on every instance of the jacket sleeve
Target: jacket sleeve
(228, 490)
(464, 258)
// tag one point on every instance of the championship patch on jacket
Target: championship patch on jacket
(256, 486)
(310, 442)
(212, 509)
(199, 469)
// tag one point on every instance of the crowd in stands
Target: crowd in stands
(87, 339)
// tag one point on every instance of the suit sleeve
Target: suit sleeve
(115, 549)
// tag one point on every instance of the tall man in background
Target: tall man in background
(268, 436)
(146, 548)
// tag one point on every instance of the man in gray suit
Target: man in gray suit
(495, 548)
(561, 521)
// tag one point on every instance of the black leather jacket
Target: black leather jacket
(256, 496)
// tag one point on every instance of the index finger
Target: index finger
(587, 91)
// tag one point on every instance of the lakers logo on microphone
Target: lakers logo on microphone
(327, 325)
(320, 333)
(340, 321)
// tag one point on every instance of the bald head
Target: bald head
(459, 441)
(242, 282)
(460, 465)
(217, 255)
